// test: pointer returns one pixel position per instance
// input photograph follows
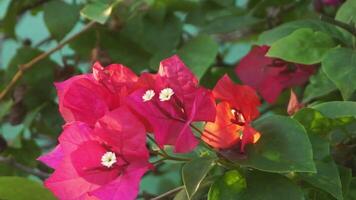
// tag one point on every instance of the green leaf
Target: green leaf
(337, 109)
(181, 195)
(27, 154)
(98, 11)
(283, 147)
(319, 85)
(318, 128)
(160, 38)
(5, 107)
(228, 187)
(17, 188)
(313, 121)
(351, 195)
(327, 178)
(340, 66)
(266, 186)
(271, 36)
(194, 172)
(60, 18)
(199, 53)
(230, 23)
(303, 46)
(345, 177)
(346, 12)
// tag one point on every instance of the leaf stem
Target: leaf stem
(168, 193)
(22, 68)
(345, 26)
(12, 162)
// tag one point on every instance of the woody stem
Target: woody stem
(164, 154)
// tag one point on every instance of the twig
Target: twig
(40, 57)
(12, 162)
(170, 192)
(347, 27)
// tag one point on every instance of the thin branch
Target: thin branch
(31, 63)
(349, 28)
(12, 162)
(170, 192)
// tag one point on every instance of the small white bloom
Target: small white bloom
(233, 111)
(241, 118)
(149, 94)
(166, 94)
(108, 159)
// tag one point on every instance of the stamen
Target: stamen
(108, 159)
(149, 94)
(166, 94)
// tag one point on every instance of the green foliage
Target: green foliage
(339, 66)
(16, 188)
(199, 54)
(271, 187)
(303, 46)
(194, 172)
(284, 147)
(59, 27)
(229, 186)
(99, 11)
(310, 155)
(346, 13)
(320, 85)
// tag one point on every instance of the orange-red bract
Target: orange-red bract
(235, 112)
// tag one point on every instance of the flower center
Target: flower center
(239, 117)
(149, 94)
(166, 94)
(108, 159)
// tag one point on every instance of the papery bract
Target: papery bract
(82, 172)
(293, 105)
(88, 97)
(171, 100)
(235, 112)
(269, 76)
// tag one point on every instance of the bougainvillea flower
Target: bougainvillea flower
(104, 162)
(294, 105)
(171, 100)
(235, 112)
(88, 97)
(269, 76)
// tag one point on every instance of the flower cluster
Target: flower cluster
(102, 151)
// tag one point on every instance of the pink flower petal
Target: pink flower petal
(53, 158)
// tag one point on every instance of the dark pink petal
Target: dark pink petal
(86, 160)
(166, 121)
(82, 99)
(200, 105)
(248, 136)
(126, 187)
(114, 76)
(253, 68)
(242, 98)
(73, 135)
(67, 184)
(178, 76)
(53, 158)
(270, 76)
(125, 133)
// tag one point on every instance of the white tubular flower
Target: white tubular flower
(108, 159)
(166, 94)
(149, 94)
